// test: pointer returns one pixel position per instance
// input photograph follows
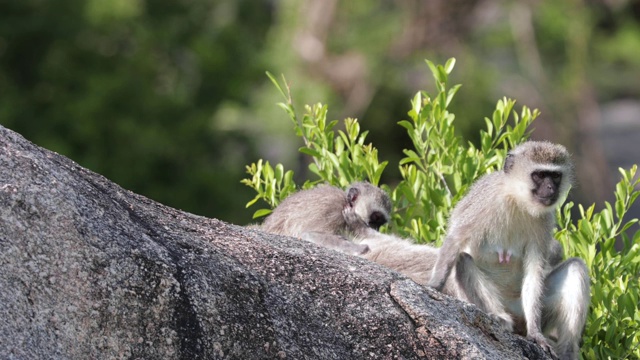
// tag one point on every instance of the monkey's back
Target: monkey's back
(313, 210)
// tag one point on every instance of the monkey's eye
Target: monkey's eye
(537, 177)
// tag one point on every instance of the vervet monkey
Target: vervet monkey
(499, 252)
(316, 215)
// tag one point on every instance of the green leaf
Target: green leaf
(279, 173)
(407, 125)
(417, 104)
(433, 68)
(449, 65)
(261, 213)
(378, 173)
(277, 85)
(311, 152)
(258, 197)
(452, 92)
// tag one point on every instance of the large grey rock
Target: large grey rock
(91, 271)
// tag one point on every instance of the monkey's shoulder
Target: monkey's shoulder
(487, 189)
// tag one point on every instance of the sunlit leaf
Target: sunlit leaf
(260, 213)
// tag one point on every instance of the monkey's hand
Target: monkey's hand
(361, 249)
(539, 339)
(447, 257)
(355, 224)
(335, 242)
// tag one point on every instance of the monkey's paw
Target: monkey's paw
(354, 221)
(361, 250)
(505, 321)
(350, 216)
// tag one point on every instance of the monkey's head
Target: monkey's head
(370, 202)
(540, 175)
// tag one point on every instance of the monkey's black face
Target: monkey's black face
(546, 186)
(377, 219)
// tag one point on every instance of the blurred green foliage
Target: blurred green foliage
(129, 89)
(169, 98)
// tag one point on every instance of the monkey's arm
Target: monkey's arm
(335, 242)
(556, 253)
(447, 256)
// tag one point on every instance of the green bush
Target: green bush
(437, 172)
(613, 325)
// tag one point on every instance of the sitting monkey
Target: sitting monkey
(499, 252)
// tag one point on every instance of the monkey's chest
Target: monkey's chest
(503, 265)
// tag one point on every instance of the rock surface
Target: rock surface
(91, 271)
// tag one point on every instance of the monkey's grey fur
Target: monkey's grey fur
(499, 252)
(316, 214)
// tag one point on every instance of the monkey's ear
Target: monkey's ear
(352, 195)
(508, 163)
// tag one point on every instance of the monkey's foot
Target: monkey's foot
(543, 342)
(505, 321)
(439, 286)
